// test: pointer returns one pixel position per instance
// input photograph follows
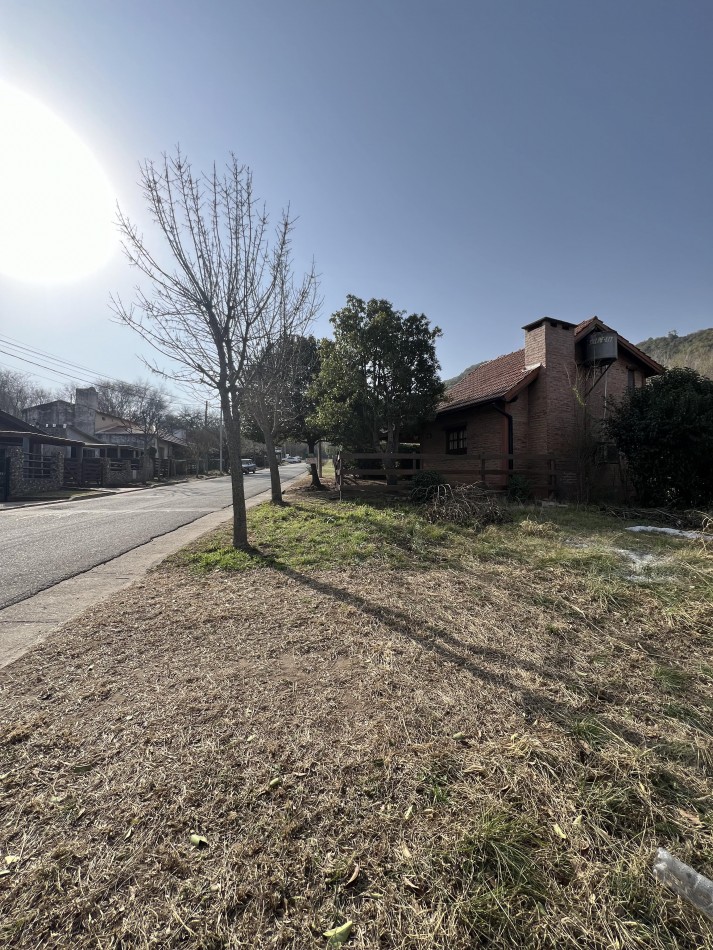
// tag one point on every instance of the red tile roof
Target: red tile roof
(489, 381)
(585, 324)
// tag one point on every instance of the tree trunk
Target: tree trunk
(392, 445)
(274, 467)
(311, 447)
(231, 419)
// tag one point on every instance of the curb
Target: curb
(93, 496)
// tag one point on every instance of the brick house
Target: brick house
(537, 412)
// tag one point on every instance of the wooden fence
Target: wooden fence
(540, 473)
(81, 472)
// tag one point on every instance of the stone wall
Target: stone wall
(116, 473)
(22, 486)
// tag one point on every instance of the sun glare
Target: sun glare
(56, 203)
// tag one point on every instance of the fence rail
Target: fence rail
(494, 471)
(36, 466)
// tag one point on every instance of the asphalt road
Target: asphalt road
(42, 545)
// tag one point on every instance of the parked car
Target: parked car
(249, 466)
(292, 458)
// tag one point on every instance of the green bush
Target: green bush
(519, 488)
(424, 485)
(665, 432)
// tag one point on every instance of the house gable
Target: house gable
(529, 403)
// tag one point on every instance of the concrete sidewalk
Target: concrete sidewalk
(25, 624)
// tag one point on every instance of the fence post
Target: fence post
(338, 472)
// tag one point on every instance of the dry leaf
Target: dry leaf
(338, 935)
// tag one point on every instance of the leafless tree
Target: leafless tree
(215, 284)
(139, 404)
(18, 391)
(274, 377)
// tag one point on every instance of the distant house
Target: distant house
(31, 460)
(537, 412)
(103, 434)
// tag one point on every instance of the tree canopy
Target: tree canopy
(378, 375)
(665, 431)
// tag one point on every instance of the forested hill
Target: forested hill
(456, 379)
(694, 350)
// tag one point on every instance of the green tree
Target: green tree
(665, 431)
(378, 375)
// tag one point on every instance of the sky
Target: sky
(485, 162)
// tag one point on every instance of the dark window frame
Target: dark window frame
(457, 440)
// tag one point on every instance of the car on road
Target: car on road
(249, 466)
(292, 458)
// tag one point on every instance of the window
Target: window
(456, 442)
(631, 379)
(607, 453)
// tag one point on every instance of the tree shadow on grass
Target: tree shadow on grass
(534, 704)
(452, 649)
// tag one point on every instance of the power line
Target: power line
(16, 344)
(74, 376)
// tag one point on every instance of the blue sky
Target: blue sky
(485, 163)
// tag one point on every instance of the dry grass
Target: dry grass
(475, 751)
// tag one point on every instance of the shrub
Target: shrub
(519, 488)
(424, 485)
(665, 431)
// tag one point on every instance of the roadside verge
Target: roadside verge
(26, 623)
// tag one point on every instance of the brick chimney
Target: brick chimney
(549, 343)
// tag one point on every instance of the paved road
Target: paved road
(40, 546)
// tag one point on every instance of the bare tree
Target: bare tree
(139, 404)
(213, 306)
(270, 395)
(18, 391)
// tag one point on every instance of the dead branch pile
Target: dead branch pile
(690, 519)
(463, 504)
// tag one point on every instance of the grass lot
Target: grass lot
(448, 739)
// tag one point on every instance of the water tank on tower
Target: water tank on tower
(601, 347)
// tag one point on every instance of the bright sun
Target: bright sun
(56, 203)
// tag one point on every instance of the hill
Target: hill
(456, 379)
(694, 350)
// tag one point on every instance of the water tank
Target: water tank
(601, 347)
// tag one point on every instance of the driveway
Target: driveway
(41, 546)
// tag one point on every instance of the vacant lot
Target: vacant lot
(448, 738)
